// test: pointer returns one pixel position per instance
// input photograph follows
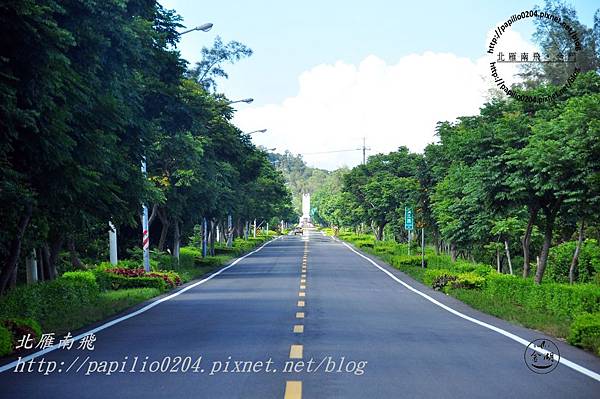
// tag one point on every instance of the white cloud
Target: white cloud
(391, 105)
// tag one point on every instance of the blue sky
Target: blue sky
(296, 42)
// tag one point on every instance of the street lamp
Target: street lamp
(256, 131)
(245, 100)
(204, 28)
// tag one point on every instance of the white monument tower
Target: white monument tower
(305, 219)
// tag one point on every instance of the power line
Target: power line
(364, 150)
(330, 152)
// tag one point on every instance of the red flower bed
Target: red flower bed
(121, 271)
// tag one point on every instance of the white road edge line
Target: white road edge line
(507, 334)
(133, 314)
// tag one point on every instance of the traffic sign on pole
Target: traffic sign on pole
(408, 218)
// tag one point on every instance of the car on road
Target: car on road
(298, 230)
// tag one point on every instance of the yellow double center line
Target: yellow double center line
(293, 389)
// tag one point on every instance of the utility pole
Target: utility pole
(145, 227)
(204, 237)
(112, 239)
(423, 247)
(229, 231)
(364, 150)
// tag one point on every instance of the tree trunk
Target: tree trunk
(153, 215)
(48, 272)
(14, 250)
(75, 261)
(40, 261)
(526, 241)
(165, 229)
(497, 260)
(379, 231)
(50, 253)
(453, 252)
(212, 237)
(13, 278)
(510, 269)
(576, 254)
(548, 230)
(176, 240)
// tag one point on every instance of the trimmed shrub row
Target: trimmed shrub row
(558, 299)
(43, 300)
(585, 332)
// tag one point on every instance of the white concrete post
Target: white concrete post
(112, 239)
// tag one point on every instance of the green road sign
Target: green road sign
(408, 218)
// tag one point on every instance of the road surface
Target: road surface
(304, 316)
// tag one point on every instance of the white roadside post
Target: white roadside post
(254, 228)
(112, 239)
(423, 247)
(229, 231)
(204, 237)
(145, 228)
(31, 262)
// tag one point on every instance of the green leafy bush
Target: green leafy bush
(187, 257)
(585, 332)
(405, 260)
(560, 257)
(6, 341)
(221, 250)
(79, 275)
(112, 281)
(49, 300)
(558, 299)
(170, 277)
(469, 280)
(438, 279)
(129, 264)
(165, 261)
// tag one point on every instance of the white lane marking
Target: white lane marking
(133, 314)
(507, 334)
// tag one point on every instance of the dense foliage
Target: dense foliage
(90, 89)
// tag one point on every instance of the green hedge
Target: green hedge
(585, 332)
(558, 299)
(400, 261)
(111, 281)
(187, 257)
(469, 280)
(86, 276)
(6, 341)
(49, 300)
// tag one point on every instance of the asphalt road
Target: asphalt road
(345, 330)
